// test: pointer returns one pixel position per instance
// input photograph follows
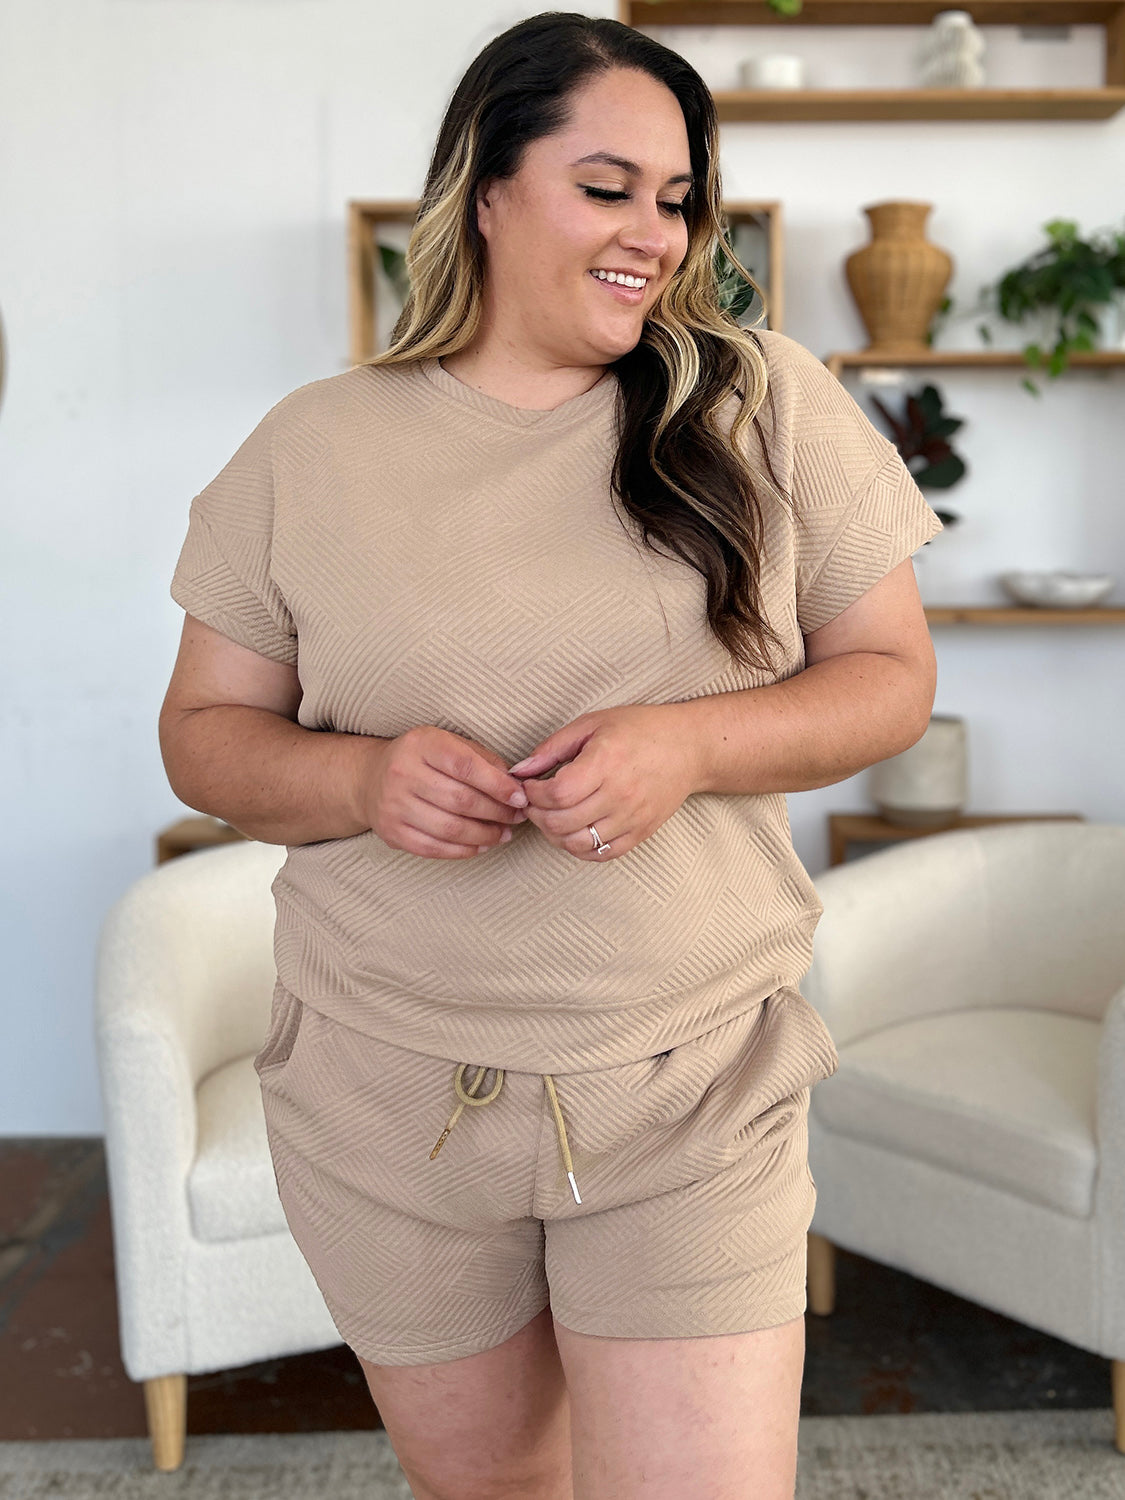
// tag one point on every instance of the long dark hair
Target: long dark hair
(694, 381)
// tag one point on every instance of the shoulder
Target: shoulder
(796, 375)
(814, 421)
(321, 411)
(335, 394)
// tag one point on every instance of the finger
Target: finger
(455, 813)
(582, 843)
(465, 764)
(571, 787)
(428, 847)
(463, 801)
(565, 814)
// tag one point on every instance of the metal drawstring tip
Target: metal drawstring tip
(440, 1142)
(574, 1187)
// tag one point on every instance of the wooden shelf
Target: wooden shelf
(867, 13)
(876, 831)
(918, 104)
(1018, 614)
(1098, 103)
(1001, 359)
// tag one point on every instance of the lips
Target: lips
(631, 295)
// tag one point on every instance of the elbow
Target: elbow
(917, 704)
(921, 710)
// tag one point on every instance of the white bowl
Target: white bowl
(1058, 590)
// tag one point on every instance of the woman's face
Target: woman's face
(560, 218)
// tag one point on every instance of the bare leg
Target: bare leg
(667, 1418)
(486, 1426)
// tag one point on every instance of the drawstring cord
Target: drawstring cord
(471, 1098)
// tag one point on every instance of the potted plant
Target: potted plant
(1067, 282)
(921, 437)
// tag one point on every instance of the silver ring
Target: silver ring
(599, 847)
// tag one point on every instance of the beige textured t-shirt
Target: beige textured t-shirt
(427, 554)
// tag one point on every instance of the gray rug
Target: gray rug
(1024, 1455)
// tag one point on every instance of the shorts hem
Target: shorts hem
(783, 1310)
(443, 1350)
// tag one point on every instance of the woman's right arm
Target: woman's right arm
(232, 747)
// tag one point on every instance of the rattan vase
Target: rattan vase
(898, 278)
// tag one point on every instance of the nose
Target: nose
(646, 232)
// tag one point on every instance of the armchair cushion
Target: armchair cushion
(1006, 1095)
(231, 1188)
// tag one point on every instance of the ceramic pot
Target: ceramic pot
(926, 785)
(898, 278)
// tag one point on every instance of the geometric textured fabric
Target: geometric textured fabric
(693, 1168)
(423, 553)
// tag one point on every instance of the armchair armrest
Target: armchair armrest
(1024, 914)
(184, 977)
(904, 934)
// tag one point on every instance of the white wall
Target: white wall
(172, 261)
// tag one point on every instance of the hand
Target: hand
(440, 795)
(628, 770)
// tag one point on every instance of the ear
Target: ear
(484, 205)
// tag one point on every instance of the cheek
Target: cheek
(678, 244)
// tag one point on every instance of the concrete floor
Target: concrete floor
(894, 1344)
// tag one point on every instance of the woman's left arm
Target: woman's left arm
(866, 693)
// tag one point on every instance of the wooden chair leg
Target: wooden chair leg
(1119, 1405)
(166, 1409)
(821, 1274)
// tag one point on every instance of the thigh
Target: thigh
(489, 1425)
(667, 1418)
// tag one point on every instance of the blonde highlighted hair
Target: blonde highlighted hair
(694, 381)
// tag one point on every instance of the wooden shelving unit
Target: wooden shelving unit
(951, 359)
(1018, 614)
(987, 614)
(871, 831)
(1099, 103)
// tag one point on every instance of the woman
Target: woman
(516, 635)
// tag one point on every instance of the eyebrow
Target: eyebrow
(626, 166)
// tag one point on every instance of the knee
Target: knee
(541, 1479)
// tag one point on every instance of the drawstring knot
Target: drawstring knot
(473, 1098)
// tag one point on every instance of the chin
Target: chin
(611, 349)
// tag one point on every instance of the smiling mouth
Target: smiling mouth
(627, 294)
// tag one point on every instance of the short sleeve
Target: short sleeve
(224, 573)
(857, 511)
(852, 541)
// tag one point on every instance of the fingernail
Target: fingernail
(518, 798)
(506, 835)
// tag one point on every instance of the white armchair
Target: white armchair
(974, 1135)
(208, 1274)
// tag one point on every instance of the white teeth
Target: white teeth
(622, 278)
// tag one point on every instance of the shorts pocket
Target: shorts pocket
(281, 1038)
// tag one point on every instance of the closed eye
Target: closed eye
(604, 195)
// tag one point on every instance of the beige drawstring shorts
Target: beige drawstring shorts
(441, 1204)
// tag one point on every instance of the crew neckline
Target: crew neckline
(576, 408)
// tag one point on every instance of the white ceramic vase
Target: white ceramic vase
(925, 786)
(950, 54)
